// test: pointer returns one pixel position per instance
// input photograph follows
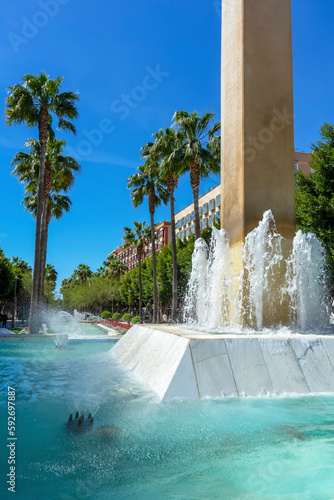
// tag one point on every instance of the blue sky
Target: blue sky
(134, 63)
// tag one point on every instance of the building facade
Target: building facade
(209, 203)
(129, 257)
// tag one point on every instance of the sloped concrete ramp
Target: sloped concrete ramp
(178, 363)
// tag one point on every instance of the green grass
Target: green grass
(17, 330)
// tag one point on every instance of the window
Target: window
(188, 218)
(187, 232)
(296, 168)
(193, 215)
(218, 214)
(177, 225)
(205, 208)
(218, 200)
(183, 221)
(192, 229)
(200, 211)
(211, 220)
(212, 204)
(182, 235)
(204, 223)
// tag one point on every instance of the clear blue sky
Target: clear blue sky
(165, 55)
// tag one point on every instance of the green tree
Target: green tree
(115, 267)
(138, 238)
(198, 151)
(147, 182)
(83, 272)
(315, 195)
(34, 101)
(50, 281)
(6, 276)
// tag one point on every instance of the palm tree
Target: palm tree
(20, 265)
(115, 267)
(50, 278)
(147, 182)
(59, 176)
(171, 167)
(138, 238)
(83, 272)
(101, 272)
(33, 102)
(196, 152)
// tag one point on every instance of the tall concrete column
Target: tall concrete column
(257, 116)
(257, 120)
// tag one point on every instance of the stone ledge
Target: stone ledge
(174, 362)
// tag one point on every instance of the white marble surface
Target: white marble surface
(174, 362)
(4, 331)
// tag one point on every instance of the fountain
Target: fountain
(255, 304)
(295, 284)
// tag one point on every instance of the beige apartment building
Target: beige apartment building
(209, 203)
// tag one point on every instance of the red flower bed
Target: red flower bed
(116, 323)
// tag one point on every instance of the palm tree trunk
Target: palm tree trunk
(154, 265)
(197, 226)
(194, 181)
(35, 320)
(140, 290)
(45, 225)
(174, 293)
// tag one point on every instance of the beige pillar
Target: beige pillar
(257, 119)
(257, 116)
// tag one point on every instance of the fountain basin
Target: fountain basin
(179, 363)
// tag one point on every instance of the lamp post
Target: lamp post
(129, 299)
(15, 303)
(158, 317)
(112, 306)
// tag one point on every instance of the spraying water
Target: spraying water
(266, 278)
(305, 281)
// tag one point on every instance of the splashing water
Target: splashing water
(268, 285)
(305, 281)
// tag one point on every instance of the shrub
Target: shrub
(135, 320)
(127, 317)
(116, 317)
(106, 315)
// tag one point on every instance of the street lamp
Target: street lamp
(130, 291)
(15, 303)
(158, 317)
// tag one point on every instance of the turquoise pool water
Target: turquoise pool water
(247, 448)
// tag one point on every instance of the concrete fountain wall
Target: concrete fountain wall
(178, 363)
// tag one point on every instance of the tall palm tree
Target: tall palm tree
(171, 167)
(195, 152)
(83, 272)
(147, 182)
(34, 101)
(59, 176)
(138, 238)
